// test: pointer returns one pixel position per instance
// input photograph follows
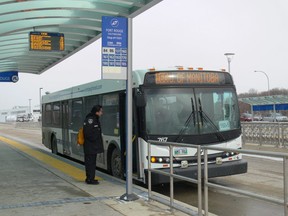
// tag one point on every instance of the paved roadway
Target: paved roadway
(264, 176)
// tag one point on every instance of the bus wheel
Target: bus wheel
(116, 165)
(54, 145)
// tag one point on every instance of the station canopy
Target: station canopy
(79, 21)
(275, 102)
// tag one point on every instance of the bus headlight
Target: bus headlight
(154, 159)
(219, 160)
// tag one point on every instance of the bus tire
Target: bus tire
(54, 145)
(116, 165)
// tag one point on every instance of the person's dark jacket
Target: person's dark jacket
(93, 143)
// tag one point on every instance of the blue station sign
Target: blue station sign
(114, 47)
(9, 76)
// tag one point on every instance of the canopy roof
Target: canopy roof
(78, 20)
(265, 100)
(265, 103)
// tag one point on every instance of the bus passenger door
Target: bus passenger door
(122, 126)
(65, 128)
(76, 121)
(135, 148)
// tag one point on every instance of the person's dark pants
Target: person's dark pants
(90, 166)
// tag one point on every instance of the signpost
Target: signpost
(9, 76)
(117, 64)
(114, 47)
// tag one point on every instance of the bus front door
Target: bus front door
(135, 148)
(65, 128)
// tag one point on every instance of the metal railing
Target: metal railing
(172, 176)
(207, 184)
(265, 133)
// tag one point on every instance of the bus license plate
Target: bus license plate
(180, 151)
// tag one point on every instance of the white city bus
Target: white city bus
(184, 106)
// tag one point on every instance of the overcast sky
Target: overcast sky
(183, 32)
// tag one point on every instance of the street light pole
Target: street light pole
(30, 107)
(40, 99)
(267, 80)
(229, 57)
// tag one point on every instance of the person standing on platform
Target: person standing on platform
(93, 142)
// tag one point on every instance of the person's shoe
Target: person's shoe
(93, 182)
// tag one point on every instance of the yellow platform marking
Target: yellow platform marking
(66, 168)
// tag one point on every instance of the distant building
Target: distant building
(20, 113)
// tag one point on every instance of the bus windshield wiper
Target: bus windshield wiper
(206, 118)
(187, 122)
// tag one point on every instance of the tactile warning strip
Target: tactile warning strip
(55, 202)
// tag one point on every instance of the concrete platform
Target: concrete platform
(35, 182)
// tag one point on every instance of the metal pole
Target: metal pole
(229, 57)
(171, 178)
(199, 167)
(206, 182)
(149, 171)
(229, 64)
(267, 80)
(260, 134)
(30, 106)
(282, 136)
(285, 172)
(129, 196)
(279, 135)
(40, 100)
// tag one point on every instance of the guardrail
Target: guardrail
(172, 176)
(265, 133)
(208, 184)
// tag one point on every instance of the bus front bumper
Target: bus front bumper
(214, 170)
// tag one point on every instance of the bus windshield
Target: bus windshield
(187, 111)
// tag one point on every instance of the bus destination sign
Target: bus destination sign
(186, 77)
(46, 41)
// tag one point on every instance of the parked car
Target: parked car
(257, 118)
(275, 117)
(22, 118)
(248, 117)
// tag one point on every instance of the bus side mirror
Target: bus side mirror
(140, 100)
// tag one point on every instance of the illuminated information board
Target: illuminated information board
(187, 77)
(46, 41)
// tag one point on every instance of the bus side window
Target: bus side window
(77, 117)
(48, 114)
(110, 119)
(77, 120)
(89, 103)
(56, 114)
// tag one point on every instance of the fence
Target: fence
(208, 184)
(265, 133)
